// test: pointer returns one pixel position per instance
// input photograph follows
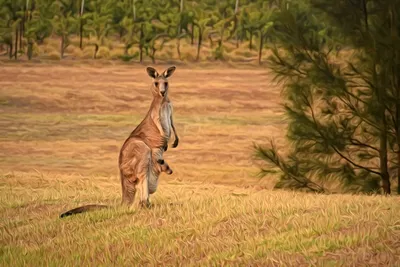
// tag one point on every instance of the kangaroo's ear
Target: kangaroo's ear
(168, 72)
(152, 72)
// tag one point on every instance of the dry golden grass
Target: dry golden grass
(193, 224)
(62, 125)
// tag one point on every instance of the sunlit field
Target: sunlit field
(62, 125)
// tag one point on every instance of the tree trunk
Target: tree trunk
(211, 41)
(30, 49)
(141, 44)
(134, 10)
(11, 49)
(178, 48)
(236, 22)
(383, 153)
(96, 49)
(398, 161)
(397, 125)
(153, 55)
(261, 47)
(80, 34)
(180, 13)
(395, 86)
(23, 21)
(199, 44)
(62, 47)
(21, 31)
(16, 43)
(192, 35)
(32, 9)
(383, 159)
(251, 40)
(81, 25)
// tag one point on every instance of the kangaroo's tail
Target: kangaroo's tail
(83, 209)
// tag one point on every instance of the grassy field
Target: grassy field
(61, 127)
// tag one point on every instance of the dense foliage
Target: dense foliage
(144, 24)
(343, 109)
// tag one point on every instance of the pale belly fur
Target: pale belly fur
(165, 119)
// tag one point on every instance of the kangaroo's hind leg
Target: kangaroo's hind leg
(128, 190)
(144, 184)
(143, 177)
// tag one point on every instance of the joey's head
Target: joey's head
(160, 86)
(164, 167)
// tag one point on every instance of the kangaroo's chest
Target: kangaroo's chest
(165, 120)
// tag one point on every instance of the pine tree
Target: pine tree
(342, 111)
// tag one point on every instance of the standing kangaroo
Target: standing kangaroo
(144, 147)
(147, 142)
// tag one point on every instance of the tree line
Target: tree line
(141, 23)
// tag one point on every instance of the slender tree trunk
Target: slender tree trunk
(134, 10)
(178, 48)
(180, 13)
(32, 9)
(80, 33)
(398, 149)
(30, 49)
(153, 55)
(236, 22)
(81, 24)
(62, 47)
(199, 44)
(141, 44)
(26, 13)
(211, 41)
(396, 87)
(96, 49)
(11, 49)
(21, 31)
(192, 35)
(383, 151)
(251, 40)
(23, 21)
(397, 120)
(222, 33)
(383, 157)
(261, 47)
(365, 11)
(16, 43)
(397, 125)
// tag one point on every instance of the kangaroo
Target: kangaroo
(148, 141)
(146, 144)
(160, 167)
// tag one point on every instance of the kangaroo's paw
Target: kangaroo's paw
(145, 204)
(176, 142)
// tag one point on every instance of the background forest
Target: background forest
(135, 29)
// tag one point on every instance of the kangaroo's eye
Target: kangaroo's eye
(166, 84)
(156, 84)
